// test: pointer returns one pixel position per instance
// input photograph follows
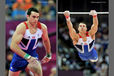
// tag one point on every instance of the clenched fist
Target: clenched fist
(93, 13)
(67, 15)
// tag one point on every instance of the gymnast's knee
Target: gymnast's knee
(35, 69)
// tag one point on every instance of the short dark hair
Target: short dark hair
(31, 9)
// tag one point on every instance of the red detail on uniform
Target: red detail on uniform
(79, 36)
(86, 35)
(33, 37)
(26, 25)
(39, 25)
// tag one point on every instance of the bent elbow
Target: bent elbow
(12, 46)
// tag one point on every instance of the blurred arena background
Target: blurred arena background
(69, 63)
(15, 13)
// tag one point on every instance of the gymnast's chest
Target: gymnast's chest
(87, 41)
(36, 35)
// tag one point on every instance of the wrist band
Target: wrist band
(94, 15)
(27, 56)
(67, 17)
(48, 55)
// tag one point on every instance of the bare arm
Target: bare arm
(46, 43)
(72, 31)
(16, 39)
(45, 39)
(94, 27)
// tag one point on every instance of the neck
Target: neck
(83, 34)
(32, 25)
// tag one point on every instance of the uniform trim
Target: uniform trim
(26, 25)
(79, 35)
(25, 41)
(87, 35)
(39, 25)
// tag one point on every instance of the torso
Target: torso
(31, 36)
(83, 38)
(86, 41)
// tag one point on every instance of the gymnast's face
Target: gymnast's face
(33, 17)
(82, 28)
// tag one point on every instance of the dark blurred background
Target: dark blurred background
(69, 63)
(16, 13)
(83, 5)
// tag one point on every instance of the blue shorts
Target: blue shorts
(91, 55)
(18, 63)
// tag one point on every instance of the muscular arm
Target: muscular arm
(16, 39)
(45, 39)
(72, 31)
(94, 27)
